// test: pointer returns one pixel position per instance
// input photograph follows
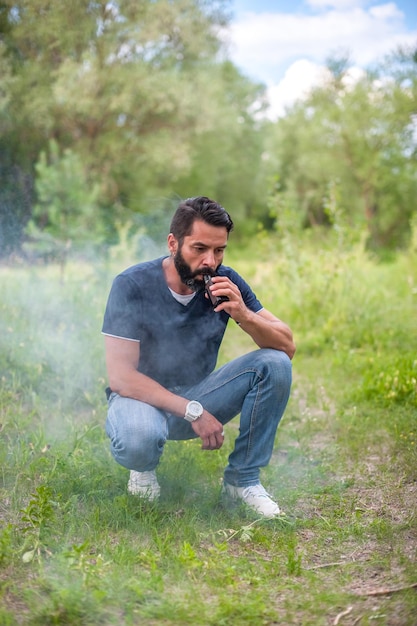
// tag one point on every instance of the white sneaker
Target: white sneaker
(255, 497)
(144, 484)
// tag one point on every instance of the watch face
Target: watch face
(193, 411)
(194, 408)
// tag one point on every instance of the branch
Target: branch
(328, 565)
(342, 614)
(383, 592)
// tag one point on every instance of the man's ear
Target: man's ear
(172, 244)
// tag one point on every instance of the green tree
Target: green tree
(227, 153)
(15, 183)
(135, 89)
(66, 214)
(359, 136)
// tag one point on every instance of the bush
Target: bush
(391, 381)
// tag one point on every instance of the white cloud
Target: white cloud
(387, 11)
(286, 51)
(263, 43)
(335, 4)
(352, 76)
(297, 82)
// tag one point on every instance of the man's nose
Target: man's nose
(209, 259)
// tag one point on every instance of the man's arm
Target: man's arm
(266, 330)
(122, 359)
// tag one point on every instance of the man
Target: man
(162, 337)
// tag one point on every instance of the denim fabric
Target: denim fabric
(256, 385)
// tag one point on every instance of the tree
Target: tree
(133, 88)
(227, 153)
(359, 136)
(67, 209)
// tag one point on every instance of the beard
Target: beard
(188, 277)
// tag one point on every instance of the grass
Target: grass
(76, 549)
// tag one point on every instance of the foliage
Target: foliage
(68, 206)
(111, 111)
(354, 138)
(137, 94)
(5, 544)
(393, 381)
(15, 202)
(36, 516)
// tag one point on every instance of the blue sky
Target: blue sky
(285, 44)
(408, 7)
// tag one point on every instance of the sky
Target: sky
(284, 44)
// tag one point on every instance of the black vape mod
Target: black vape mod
(215, 300)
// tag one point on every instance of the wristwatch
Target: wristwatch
(193, 411)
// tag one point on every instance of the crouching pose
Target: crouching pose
(163, 326)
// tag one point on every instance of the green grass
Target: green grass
(76, 549)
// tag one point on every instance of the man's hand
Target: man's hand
(210, 431)
(266, 330)
(223, 286)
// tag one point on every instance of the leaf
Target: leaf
(28, 556)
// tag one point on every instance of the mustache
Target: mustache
(205, 271)
(197, 283)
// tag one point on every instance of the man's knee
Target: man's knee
(275, 364)
(137, 441)
(137, 453)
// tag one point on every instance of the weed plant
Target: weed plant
(76, 549)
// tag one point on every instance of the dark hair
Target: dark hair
(199, 208)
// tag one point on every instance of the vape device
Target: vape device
(215, 300)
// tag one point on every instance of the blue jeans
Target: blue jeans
(256, 385)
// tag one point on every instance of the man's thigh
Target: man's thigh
(223, 392)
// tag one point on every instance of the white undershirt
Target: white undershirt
(182, 299)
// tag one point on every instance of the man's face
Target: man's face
(201, 253)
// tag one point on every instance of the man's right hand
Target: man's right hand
(210, 431)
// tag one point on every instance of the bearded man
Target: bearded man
(163, 325)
